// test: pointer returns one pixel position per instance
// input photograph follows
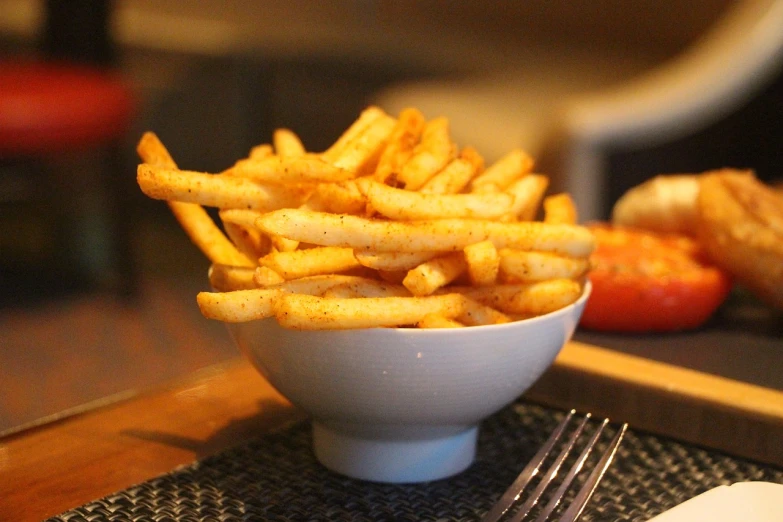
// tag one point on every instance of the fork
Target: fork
(534, 467)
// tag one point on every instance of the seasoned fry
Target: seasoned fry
(393, 260)
(394, 225)
(402, 204)
(433, 274)
(560, 208)
(527, 193)
(279, 170)
(368, 115)
(452, 179)
(193, 219)
(438, 321)
(287, 143)
(540, 266)
(441, 235)
(403, 140)
(225, 278)
(213, 190)
(483, 263)
(265, 276)
(239, 305)
(304, 312)
(504, 171)
(530, 299)
(432, 154)
(313, 261)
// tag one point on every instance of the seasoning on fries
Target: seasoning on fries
(394, 225)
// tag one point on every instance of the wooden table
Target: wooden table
(83, 455)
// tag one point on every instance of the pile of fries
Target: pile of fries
(392, 226)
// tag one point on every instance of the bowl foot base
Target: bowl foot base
(402, 460)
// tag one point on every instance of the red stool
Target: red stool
(62, 128)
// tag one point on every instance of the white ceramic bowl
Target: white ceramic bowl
(404, 405)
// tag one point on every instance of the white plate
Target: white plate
(740, 502)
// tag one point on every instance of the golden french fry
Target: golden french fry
(560, 208)
(283, 244)
(313, 261)
(432, 154)
(403, 140)
(260, 152)
(440, 235)
(360, 156)
(504, 171)
(367, 116)
(478, 314)
(316, 285)
(438, 321)
(249, 241)
(239, 305)
(527, 193)
(225, 278)
(435, 273)
(530, 299)
(280, 170)
(214, 190)
(540, 266)
(392, 260)
(365, 287)
(263, 277)
(483, 262)
(473, 157)
(340, 198)
(305, 312)
(194, 220)
(400, 204)
(452, 179)
(287, 143)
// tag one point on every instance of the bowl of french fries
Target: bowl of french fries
(393, 287)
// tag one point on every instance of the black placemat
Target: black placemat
(277, 478)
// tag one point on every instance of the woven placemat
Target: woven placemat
(277, 478)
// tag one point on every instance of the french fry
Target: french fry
(559, 208)
(283, 244)
(438, 321)
(225, 278)
(279, 170)
(361, 154)
(452, 179)
(365, 287)
(504, 171)
(483, 263)
(527, 193)
(263, 277)
(313, 261)
(260, 152)
(434, 274)
(193, 219)
(367, 116)
(317, 285)
(530, 299)
(432, 154)
(402, 204)
(473, 157)
(402, 142)
(440, 235)
(304, 312)
(340, 198)
(239, 305)
(249, 241)
(392, 260)
(540, 266)
(287, 143)
(213, 190)
(477, 314)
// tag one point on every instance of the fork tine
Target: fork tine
(576, 468)
(533, 467)
(579, 503)
(552, 472)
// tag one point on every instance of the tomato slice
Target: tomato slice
(648, 282)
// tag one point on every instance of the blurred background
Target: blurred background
(98, 282)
